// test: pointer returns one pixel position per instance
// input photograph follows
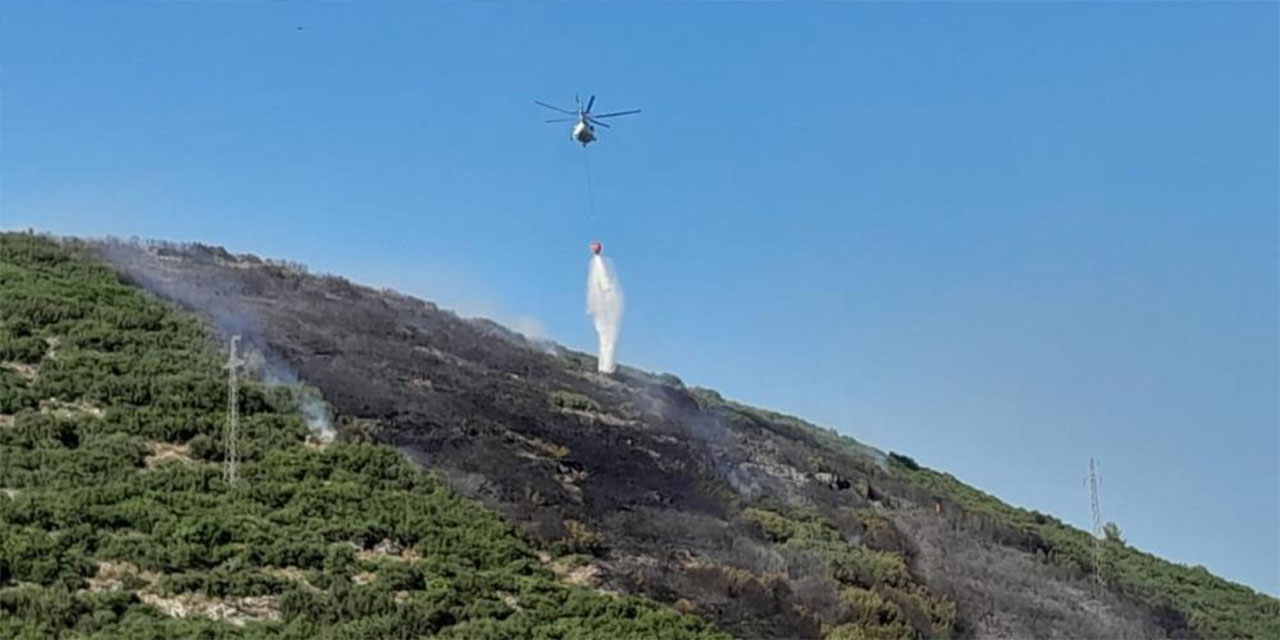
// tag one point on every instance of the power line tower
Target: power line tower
(232, 434)
(1097, 521)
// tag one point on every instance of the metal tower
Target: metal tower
(1097, 520)
(231, 453)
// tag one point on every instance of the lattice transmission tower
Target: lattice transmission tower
(231, 453)
(1096, 508)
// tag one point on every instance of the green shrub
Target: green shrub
(570, 400)
(904, 461)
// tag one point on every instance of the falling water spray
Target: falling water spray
(604, 305)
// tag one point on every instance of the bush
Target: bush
(29, 349)
(576, 401)
(904, 461)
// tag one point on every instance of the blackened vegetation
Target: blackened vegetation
(758, 522)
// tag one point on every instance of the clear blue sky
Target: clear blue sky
(998, 237)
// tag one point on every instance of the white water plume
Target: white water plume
(604, 304)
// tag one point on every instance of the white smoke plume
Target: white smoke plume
(310, 402)
(604, 304)
(316, 413)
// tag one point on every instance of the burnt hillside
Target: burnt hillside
(762, 524)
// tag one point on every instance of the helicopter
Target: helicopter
(583, 129)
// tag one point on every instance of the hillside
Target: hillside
(760, 524)
(117, 522)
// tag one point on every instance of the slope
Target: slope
(760, 523)
(116, 521)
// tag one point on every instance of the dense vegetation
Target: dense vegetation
(1215, 608)
(116, 520)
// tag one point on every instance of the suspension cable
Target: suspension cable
(591, 194)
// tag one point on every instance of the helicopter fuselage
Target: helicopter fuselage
(583, 132)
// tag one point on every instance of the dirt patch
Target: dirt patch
(161, 451)
(388, 549)
(236, 611)
(53, 343)
(21, 368)
(111, 576)
(64, 409)
(583, 575)
(510, 600)
(571, 477)
(587, 576)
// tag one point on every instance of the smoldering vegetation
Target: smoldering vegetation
(760, 523)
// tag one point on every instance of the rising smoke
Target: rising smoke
(216, 297)
(604, 304)
(310, 402)
(316, 413)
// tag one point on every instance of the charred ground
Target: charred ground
(760, 523)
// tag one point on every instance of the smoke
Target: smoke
(604, 304)
(316, 413)
(202, 287)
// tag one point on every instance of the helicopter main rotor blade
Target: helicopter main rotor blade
(561, 120)
(592, 120)
(589, 103)
(554, 108)
(616, 113)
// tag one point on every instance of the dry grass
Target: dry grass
(555, 451)
(292, 573)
